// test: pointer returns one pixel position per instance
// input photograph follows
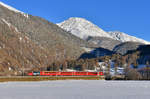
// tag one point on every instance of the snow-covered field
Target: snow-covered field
(76, 89)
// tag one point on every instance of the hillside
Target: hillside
(143, 51)
(123, 48)
(104, 42)
(45, 33)
(29, 42)
(18, 53)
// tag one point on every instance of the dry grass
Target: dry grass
(40, 78)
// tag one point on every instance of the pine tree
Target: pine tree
(116, 67)
(135, 64)
(108, 68)
(56, 66)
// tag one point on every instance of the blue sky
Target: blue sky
(129, 16)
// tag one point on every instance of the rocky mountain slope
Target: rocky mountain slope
(97, 52)
(104, 42)
(123, 48)
(18, 53)
(44, 33)
(141, 54)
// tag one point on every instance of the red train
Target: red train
(57, 73)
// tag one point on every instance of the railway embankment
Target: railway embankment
(48, 78)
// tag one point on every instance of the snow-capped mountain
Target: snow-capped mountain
(82, 28)
(123, 37)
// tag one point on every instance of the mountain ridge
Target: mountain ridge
(123, 37)
(80, 28)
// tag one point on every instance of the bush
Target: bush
(108, 77)
(132, 74)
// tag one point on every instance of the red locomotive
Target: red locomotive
(58, 73)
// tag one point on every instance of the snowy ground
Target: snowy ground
(79, 89)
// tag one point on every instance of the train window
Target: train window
(36, 73)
